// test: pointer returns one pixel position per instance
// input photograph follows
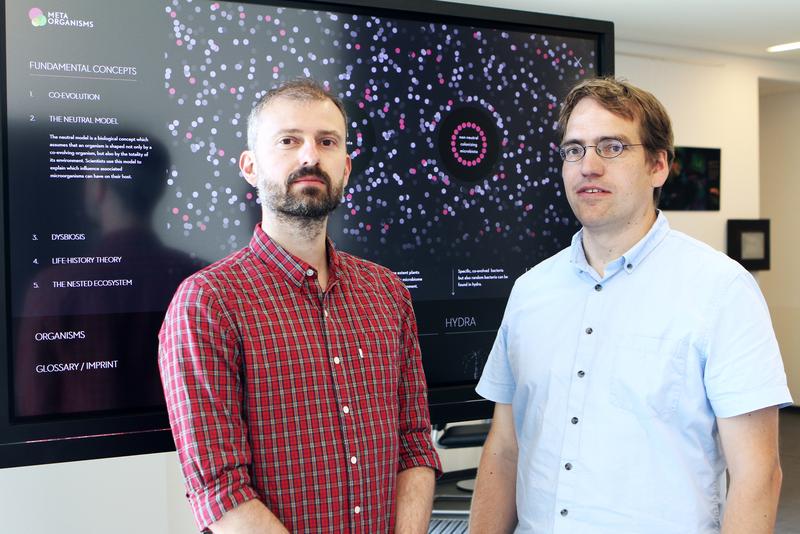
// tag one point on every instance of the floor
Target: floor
(789, 507)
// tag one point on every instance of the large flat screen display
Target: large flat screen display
(122, 124)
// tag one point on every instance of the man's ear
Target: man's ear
(348, 166)
(247, 164)
(659, 169)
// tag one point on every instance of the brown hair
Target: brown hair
(628, 101)
(303, 89)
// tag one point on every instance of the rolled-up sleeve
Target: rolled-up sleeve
(416, 447)
(199, 361)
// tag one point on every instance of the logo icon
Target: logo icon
(37, 17)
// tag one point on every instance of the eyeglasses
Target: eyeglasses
(607, 148)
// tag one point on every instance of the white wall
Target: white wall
(714, 102)
(780, 191)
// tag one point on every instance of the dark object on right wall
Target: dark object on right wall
(694, 180)
(748, 243)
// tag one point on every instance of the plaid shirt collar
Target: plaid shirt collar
(291, 267)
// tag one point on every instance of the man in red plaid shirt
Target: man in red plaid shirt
(291, 370)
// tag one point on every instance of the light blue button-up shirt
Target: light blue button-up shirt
(616, 383)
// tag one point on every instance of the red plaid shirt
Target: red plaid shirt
(311, 401)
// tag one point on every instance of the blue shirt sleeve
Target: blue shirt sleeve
(497, 382)
(744, 371)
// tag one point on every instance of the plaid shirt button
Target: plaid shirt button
(353, 459)
(357, 509)
(360, 353)
(336, 360)
(310, 272)
(346, 409)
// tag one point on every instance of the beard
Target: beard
(306, 202)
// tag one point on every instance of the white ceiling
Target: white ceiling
(742, 27)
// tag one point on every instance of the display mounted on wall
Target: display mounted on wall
(693, 182)
(748, 243)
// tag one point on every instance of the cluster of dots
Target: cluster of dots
(469, 160)
(401, 79)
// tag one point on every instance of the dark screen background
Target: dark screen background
(456, 183)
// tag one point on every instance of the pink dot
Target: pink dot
(175, 211)
(358, 46)
(352, 211)
(241, 15)
(444, 212)
(449, 102)
(453, 137)
(179, 42)
(268, 18)
(412, 171)
(397, 50)
(349, 196)
(276, 69)
(172, 90)
(185, 218)
(188, 135)
(497, 229)
(368, 227)
(233, 90)
(441, 81)
(425, 162)
(249, 196)
(173, 14)
(192, 80)
(361, 105)
(471, 192)
(221, 152)
(283, 33)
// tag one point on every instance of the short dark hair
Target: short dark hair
(630, 102)
(303, 89)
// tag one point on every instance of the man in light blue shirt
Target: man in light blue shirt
(634, 367)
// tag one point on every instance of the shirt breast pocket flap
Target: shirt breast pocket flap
(648, 375)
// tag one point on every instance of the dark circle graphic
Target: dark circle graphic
(468, 143)
(360, 137)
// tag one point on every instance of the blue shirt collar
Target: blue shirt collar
(630, 259)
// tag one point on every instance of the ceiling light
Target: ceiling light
(784, 47)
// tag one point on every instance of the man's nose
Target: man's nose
(592, 163)
(309, 153)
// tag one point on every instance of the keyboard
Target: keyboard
(448, 526)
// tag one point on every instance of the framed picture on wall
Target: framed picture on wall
(748, 243)
(694, 180)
